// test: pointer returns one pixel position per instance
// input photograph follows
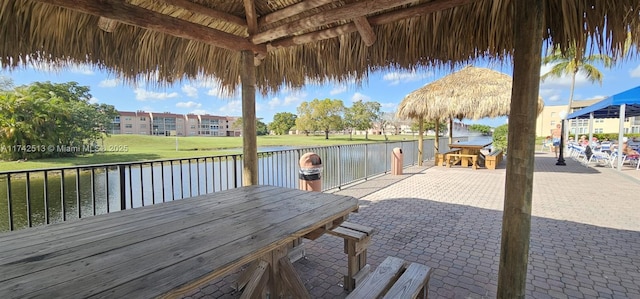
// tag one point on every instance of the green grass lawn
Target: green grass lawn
(128, 148)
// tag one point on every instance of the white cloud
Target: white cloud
(338, 89)
(189, 104)
(81, 69)
(635, 73)
(231, 108)
(358, 96)
(190, 91)
(292, 98)
(109, 83)
(550, 94)
(273, 103)
(93, 100)
(563, 81)
(145, 95)
(396, 78)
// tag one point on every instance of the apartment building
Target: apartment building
(172, 124)
(137, 122)
(552, 115)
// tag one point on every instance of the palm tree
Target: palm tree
(572, 61)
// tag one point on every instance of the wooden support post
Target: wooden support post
(249, 141)
(516, 220)
(245, 276)
(420, 141)
(275, 284)
(289, 276)
(257, 281)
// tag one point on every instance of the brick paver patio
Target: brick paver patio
(585, 232)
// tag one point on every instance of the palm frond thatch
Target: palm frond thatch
(33, 31)
(472, 93)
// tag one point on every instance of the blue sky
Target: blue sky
(387, 88)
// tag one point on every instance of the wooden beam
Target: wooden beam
(289, 276)
(252, 18)
(123, 12)
(203, 10)
(516, 219)
(257, 281)
(365, 30)
(252, 26)
(290, 11)
(249, 139)
(313, 36)
(410, 12)
(108, 25)
(346, 12)
(418, 10)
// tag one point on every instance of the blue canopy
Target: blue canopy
(610, 107)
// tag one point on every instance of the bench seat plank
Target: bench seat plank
(346, 233)
(411, 283)
(357, 227)
(380, 280)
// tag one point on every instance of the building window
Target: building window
(598, 130)
(553, 114)
(553, 124)
(143, 118)
(143, 126)
(193, 126)
(127, 118)
(128, 126)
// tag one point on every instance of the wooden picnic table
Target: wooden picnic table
(469, 148)
(166, 249)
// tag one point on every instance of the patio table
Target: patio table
(166, 249)
(470, 148)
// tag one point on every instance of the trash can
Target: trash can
(396, 161)
(310, 172)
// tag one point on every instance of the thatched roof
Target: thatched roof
(295, 41)
(472, 93)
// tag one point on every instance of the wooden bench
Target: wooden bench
(356, 241)
(394, 279)
(441, 158)
(451, 159)
(493, 159)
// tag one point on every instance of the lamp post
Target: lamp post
(561, 156)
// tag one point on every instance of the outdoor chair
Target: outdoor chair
(599, 157)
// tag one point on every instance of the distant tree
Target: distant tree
(484, 129)
(324, 114)
(428, 125)
(500, 137)
(6, 83)
(362, 115)
(40, 119)
(305, 121)
(390, 119)
(282, 122)
(261, 128)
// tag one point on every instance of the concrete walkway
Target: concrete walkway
(585, 232)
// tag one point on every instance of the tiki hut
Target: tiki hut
(265, 45)
(472, 93)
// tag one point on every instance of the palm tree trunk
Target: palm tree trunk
(436, 142)
(573, 86)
